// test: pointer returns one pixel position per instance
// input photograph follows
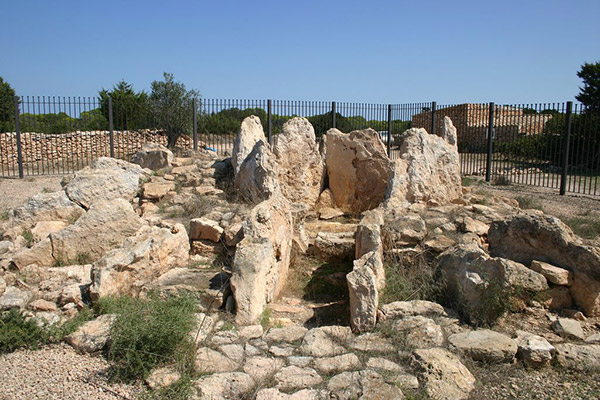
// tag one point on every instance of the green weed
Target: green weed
(28, 236)
(265, 318)
(527, 203)
(148, 333)
(586, 227)
(17, 332)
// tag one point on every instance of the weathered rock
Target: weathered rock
(250, 332)
(304, 394)
(344, 362)
(157, 190)
(209, 361)
(202, 228)
(358, 169)
(71, 294)
(442, 374)
(579, 357)
(224, 386)
(153, 156)
(44, 228)
(372, 343)
(534, 236)
(162, 377)
(40, 254)
(403, 309)
(14, 298)
(142, 258)
(262, 258)
(288, 334)
(105, 179)
(420, 332)
(568, 328)
(556, 275)
(557, 298)
(480, 283)
(301, 165)
(46, 207)
(256, 179)
(324, 341)
(290, 378)
(93, 335)
(262, 368)
(485, 345)
(368, 233)
(334, 245)
(469, 224)
(102, 228)
(586, 293)
(448, 131)
(428, 171)
(362, 385)
(42, 305)
(251, 132)
(364, 295)
(406, 230)
(534, 350)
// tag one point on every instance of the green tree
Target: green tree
(7, 107)
(129, 107)
(171, 105)
(589, 94)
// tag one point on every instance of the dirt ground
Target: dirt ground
(14, 192)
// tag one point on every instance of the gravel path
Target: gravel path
(57, 372)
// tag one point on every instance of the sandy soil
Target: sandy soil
(14, 192)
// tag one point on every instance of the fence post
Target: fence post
(389, 131)
(18, 130)
(567, 139)
(433, 124)
(111, 128)
(195, 106)
(490, 144)
(269, 122)
(333, 112)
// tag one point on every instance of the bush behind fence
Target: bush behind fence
(528, 142)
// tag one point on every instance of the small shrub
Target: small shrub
(586, 227)
(501, 180)
(527, 203)
(17, 332)
(28, 236)
(468, 181)
(4, 216)
(410, 277)
(265, 318)
(148, 333)
(228, 326)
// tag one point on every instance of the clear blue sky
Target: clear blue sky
(365, 51)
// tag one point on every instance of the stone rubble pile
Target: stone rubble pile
(164, 222)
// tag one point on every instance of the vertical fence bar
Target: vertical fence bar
(389, 129)
(433, 122)
(18, 130)
(195, 106)
(490, 143)
(566, 139)
(269, 122)
(111, 128)
(333, 112)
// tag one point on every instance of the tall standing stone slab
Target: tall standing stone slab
(358, 169)
(251, 132)
(428, 170)
(301, 164)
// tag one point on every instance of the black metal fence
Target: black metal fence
(554, 145)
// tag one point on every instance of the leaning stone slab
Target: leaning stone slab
(250, 133)
(534, 350)
(153, 156)
(556, 275)
(568, 328)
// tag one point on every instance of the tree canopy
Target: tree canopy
(7, 106)
(589, 94)
(171, 104)
(129, 107)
